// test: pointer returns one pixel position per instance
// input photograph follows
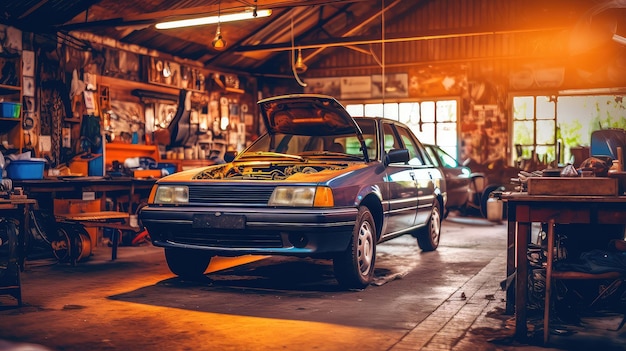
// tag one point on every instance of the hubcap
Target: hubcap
(365, 248)
(435, 225)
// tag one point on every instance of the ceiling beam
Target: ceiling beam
(352, 31)
(190, 12)
(345, 41)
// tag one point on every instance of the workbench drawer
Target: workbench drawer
(562, 186)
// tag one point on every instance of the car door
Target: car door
(424, 173)
(401, 205)
(457, 176)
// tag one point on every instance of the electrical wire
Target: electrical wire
(293, 51)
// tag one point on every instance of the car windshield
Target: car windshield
(315, 146)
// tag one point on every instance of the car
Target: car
(319, 183)
(464, 187)
(457, 177)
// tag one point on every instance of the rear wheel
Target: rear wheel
(354, 268)
(188, 264)
(428, 237)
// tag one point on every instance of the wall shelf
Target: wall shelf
(11, 128)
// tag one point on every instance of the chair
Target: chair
(551, 275)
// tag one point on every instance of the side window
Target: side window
(448, 161)
(368, 128)
(415, 157)
(431, 154)
(389, 138)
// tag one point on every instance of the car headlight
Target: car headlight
(302, 196)
(167, 194)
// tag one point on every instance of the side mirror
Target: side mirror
(396, 156)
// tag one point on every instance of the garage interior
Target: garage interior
(474, 59)
(91, 90)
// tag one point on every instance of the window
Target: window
(392, 142)
(540, 123)
(415, 158)
(433, 122)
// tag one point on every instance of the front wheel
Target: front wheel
(187, 264)
(428, 237)
(354, 268)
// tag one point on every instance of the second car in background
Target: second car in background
(463, 187)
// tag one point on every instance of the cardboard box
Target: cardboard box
(87, 165)
(147, 173)
(563, 186)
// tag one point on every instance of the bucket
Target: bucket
(494, 209)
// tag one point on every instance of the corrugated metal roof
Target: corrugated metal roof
(335, 36)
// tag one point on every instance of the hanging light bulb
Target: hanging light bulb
(300, 66)
(218, 42)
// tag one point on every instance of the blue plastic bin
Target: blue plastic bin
(25, 169)
(10, 109)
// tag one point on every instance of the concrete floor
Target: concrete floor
(444, 300)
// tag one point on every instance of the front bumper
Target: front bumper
(263, 231)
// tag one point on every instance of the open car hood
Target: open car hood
(307, 114)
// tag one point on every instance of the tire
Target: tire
(428, 237)
(187, 264)
(354, 268)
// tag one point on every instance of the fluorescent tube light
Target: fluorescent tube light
(213, 19)
(620, 39)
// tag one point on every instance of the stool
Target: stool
(103, 219)
(552, 275)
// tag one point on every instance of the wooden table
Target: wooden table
(17, 209)
(74, 187)
(47, 190)
(104, 219)
(523, 210)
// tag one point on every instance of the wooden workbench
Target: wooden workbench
(523, 210)
(50, 191)
(45, 190)
(18, 209)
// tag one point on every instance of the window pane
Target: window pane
(427, 135)
(545, 108)
(523, 107)
(523, 133)
(446, 111)
(428, 111)
(391, 111)
(355, 110)
(374, 110)
(545, 132)
(446, 135)
(409, 113)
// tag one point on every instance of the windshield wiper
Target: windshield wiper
(272, 154)
(330, 153)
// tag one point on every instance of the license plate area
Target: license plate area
(218, 220)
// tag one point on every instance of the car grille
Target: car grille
(230, 238)
(229, 195)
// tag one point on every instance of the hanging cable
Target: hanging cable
(293, 57)
(383, 55)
